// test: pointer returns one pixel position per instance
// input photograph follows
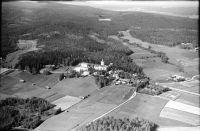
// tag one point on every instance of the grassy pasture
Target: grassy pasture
(141, 55)
(44, 79)
(16, 88)
(23, 75)
(63, 121)
(115, 95)
(182, 116)
(97, 104)
(147, 107)
(108, 95)
(29, 92)
(39, 79)
(192, 86)
(5, 80)
(8, 72)
(66, 102)
(46, 94)
(51, 81)
(55, 97)
(189, 98)
(14, 73)
(3, 96)
(170, 95)
(177, 53)
(76, 86)
(35, 78)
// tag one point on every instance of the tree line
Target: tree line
(111, 123)
(16, 112)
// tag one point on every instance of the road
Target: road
(134, 94)
(185, 91)
(192, 78)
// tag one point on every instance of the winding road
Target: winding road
(192, 78)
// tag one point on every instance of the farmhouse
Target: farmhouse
(105, 19)
(85, 73)
(177, 78)
(50, 66)
(124, 81)
(43, 70)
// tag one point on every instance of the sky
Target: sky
(149, 3)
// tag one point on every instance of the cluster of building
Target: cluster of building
(187, 45)
(49, 34)
(83, 68)
(47, 68)
(177, 78)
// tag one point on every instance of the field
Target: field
(7, 82)
(100, 102)
(29, 92)
(76, 86)
(181, 112)
(3, 96)
(10, 84)
(159, 71)
(147, 107)
(189, 99)
(14, 73)
(39, 79)
(180, 116)
(170, 95)
(66, 102)
(191, 86)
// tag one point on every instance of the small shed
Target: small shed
(22, 80)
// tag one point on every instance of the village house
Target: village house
(43, 70)
(81, 67)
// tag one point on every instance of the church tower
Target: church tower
(102, 62)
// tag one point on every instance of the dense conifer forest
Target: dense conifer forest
(27, 113)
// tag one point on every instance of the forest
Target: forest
(111, 123)
(27, 113)
(166, 37)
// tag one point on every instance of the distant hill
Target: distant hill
(20, 18)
